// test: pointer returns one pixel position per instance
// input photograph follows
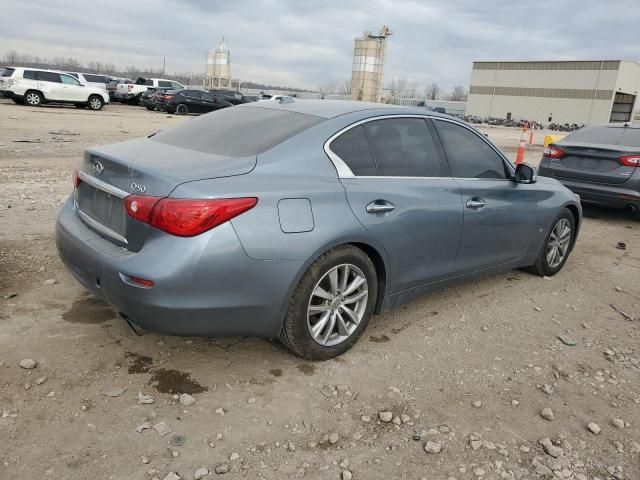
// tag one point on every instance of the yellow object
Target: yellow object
(548, 139)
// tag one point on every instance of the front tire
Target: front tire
(95, 103)
(331, 305)
(33, 98)
(182, 109)
(557, 245)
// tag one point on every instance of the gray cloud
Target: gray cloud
(307, 43)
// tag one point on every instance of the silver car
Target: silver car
(298, 220)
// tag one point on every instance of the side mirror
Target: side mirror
(525, 174)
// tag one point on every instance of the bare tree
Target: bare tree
(433, 92)
(458, 94)
(346, 87)
(11, 58)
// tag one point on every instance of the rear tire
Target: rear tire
(33, 98)
(182, 109)
(558, 240)
(95, 103)
(320, 327)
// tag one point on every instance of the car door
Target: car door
(499, 214)
(194, 101)
(210, 102)
(50, 85)
(72, 89)
(398, 188)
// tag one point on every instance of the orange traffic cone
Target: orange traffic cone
(520, 155)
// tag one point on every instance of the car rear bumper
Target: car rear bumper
(204, 285)
(619, 196)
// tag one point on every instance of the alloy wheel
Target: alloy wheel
(33, 98)
(558, 244)
(95, 104)
(337, 304)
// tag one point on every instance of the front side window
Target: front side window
(353, 149)
(49, 77)
(469, 156)
(403, 147)
(193, 93)
(164, 83)
(95, 78)
(175, 85)
(69, 80)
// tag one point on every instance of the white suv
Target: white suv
(33, 86)
(98, 81)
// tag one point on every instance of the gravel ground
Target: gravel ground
(501, 378)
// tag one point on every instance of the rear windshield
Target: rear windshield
(237, 131)
(623, 136)
(6, 72)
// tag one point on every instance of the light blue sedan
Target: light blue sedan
(300, 219)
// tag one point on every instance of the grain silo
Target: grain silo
(367, 73)
(218, 71)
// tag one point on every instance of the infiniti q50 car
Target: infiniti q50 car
(299, 220)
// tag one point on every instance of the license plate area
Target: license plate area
(104, 208)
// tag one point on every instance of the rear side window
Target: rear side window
(29, 75)
(403, 147)
(48, 77)
(6, 72)
(623, 136)
(148, 82)
(353, 149)
(237, 131)
(469, 156)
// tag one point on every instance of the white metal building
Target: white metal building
(598, 91)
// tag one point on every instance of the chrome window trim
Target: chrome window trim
(101, 228)
(345, 172)
(100, 185)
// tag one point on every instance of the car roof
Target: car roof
(335, 108)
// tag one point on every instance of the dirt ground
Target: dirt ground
(466, 371)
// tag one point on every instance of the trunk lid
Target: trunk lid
(597, 163)
(143, 167)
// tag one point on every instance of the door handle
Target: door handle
(476, 203)
(380, 206)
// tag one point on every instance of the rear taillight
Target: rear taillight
(186, 217)
(167, 97)
(630, 160)
(553, 152)
(76, 178)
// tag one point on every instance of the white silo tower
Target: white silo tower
(367, 74)
(218, 71)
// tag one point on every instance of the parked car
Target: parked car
(33, 86)
(231, 96)
(131, 92)
(277, 98)
(601, 163)
(98, 81)
(112, 88)
(151, 97)
(300, 220)
(250, 98)
(183, 102)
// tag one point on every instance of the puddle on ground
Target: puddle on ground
(140, 363)
(89, 310)
(307, 369)
(276, 372)
(380, 339)
(173, 381)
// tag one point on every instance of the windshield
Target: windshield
(623, 136)
(237, 131)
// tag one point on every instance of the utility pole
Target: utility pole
(164, 64)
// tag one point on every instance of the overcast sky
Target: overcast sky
(308, 43)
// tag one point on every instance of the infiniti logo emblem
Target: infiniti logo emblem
(98, 168)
